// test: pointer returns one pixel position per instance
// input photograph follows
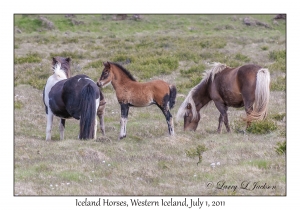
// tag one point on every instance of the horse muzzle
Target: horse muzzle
(99, 84)
(189, 129)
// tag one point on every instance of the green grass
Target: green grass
(152, 66)
(175, 48)
(262, 127)
(74, 55)
(194, 75)
(28, 23)
(278, 84)
(199, 69)
(213, 42)
(277, 55)
(146, 55)
(18, 104)
(280, 148)
(241, 57)
(279, 58)
(71, 176)
(30, 58)
(261, 164)
(36, 76)
(278, 116)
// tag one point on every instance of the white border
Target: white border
(152, 7)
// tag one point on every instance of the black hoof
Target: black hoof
(122, 137)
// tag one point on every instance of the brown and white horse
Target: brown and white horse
(246, 86)
(129, 92)
(78, 97)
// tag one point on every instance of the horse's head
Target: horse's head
(189, 113)
(190, 121)
(106, 76)
(64, 64)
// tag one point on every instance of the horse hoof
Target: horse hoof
(122, 137)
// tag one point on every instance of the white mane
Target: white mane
(216, 68)
(58, 75)
(58, 72)
(188, 100)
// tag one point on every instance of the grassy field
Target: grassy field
(177, 49)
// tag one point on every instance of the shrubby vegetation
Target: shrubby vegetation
(280, 148)
(262, 127)
(196, 152)
(29, 58)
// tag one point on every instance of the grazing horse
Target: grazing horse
(246, 86)
(129, 93)
(78, 97)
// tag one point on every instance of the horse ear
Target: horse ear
(188, 106)
(107, 64)
(54, 61)
(102, 103)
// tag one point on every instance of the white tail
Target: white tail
(262, 95)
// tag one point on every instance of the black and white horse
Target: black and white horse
(77, 97)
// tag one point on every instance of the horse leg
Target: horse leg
(221, 120)
(62, 128)
(123, 122)
(102, 126)
(96, 122)
(49, 125)
(100, 113)
(226, 122)
(223, 116)
(170, 123)
(169, 119)
(95, 128)
(248, 109)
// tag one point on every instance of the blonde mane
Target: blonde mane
(216, 68)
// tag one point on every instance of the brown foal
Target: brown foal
(129, 93)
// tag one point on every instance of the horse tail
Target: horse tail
(262, 95)
(172, 97)
(87, 112)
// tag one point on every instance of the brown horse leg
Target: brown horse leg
(221, 120)
(223, 116)
(100, 113)
(248, 109)
(226, 122)
(123, 122)
(248, 122)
